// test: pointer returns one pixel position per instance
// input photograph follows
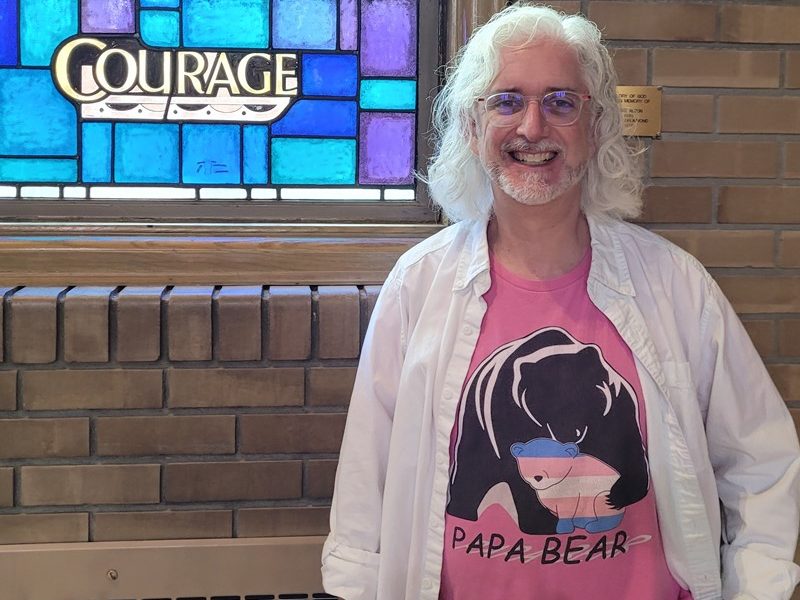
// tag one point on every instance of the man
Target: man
(552, 403)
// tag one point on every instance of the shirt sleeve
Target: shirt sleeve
(351, 554)
(754, 451)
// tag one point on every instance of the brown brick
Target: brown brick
(631, 66)
(91, 388)
(44, 438)
(189, 323)
(4, 291)
(789, 252)
(795, 412)
(759, 204)
(44, 528)
(320, 477)
(792, 160)
(289, 318)
(8, 390)
(714, 159)
(32, 320)
(339, 321)
(236, 387)
(726, 248)
(138, 311)
(760, 24)
(676, 204)
(762, 334)
(655, 21)
(279, 522)
(162, 525)
(687, 113)
(792, 70)
(239, 318)
(789, 337)
(683, 67)
(263, 480)
(330, 386)
(759, 114)
(6, 488)
(185, 434)
(89, 484)
(290, 433)
(371, 297)
(86, 324)
(787, 380)
(757, 294)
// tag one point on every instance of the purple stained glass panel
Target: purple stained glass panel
(389, 38)
(107, 16)
(348, 24)
(386, 151)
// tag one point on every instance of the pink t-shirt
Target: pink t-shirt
(550, 494)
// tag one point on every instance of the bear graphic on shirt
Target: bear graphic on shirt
(571, 485)
(545, 385)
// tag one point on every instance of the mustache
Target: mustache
(523, 146)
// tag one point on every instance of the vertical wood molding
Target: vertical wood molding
(463, 17)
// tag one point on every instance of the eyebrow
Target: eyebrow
(517, 90)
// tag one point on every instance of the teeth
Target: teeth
(536, 158)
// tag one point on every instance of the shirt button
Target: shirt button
(467, 330)
(426, 584)
(448, 393)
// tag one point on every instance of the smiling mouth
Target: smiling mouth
(534, 158)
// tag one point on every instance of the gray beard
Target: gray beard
(531, 190)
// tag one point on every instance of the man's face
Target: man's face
(534, 162)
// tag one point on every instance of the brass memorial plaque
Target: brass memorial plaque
(641, 110)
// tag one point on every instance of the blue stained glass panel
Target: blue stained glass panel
(330, 74)
(211, 154)
(318, 117)
(388, 94)
(160, 27)
(34, 119)
(39, 170)
(314, 161)
(255, 139)
(160, 3)
(204, 23)
(306, 25)
(44, 25)
(9, 36)
(146, 153)
(96, 152)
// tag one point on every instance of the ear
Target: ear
(516, 449)
(571, 449)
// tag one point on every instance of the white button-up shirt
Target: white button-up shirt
(719, 434)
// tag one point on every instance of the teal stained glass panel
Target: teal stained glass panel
(58, 170)
(255, 139)
(226, 23)
(44, 24)
(313, 161)
(310, 24)
(160, 27)
(388, 94)
(211, 154)
(146, 153)
(96, 152)
(159, 3)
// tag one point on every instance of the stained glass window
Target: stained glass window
(262, 100)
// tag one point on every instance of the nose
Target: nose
(533, 126)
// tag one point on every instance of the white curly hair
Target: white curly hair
(458, 182)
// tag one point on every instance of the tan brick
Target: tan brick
(86, 324)
(289, 318)
(676, 204)
(189, 323)
(32, 320)
(330, 386)
(789, 251)
(759, 204)
(339, 321)
(726, 248)
(759, 114)
(6, 488)
(290, 433)
(262, 480)
(44, 528)
(185, 434)
(236, 387)
(138, 312)
(320, 477)
(91, 388)
(44, 438)
(655, 21)
(686, 67)
(687, 113)
(760, 24)
(162, 525)
(792, 70)
(279, 522)
(8, 390)
(792, 160)
(759, 294)
(762, 334)
(787, 380)
(789, 337)
(714, 159)
(89, 484)
(631, 65)
(239, 319)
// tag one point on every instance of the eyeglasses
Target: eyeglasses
(559, 108)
